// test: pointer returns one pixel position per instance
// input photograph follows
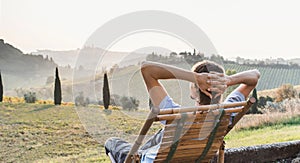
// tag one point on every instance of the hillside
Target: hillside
(270, 77)
(88, 56)
(21, 70)
(14, 62)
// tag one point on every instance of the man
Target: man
(208, 83)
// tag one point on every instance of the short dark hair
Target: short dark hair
(206, 67)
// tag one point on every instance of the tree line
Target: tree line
(194, 57)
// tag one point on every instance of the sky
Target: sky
(253, 29)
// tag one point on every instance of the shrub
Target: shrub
(129, 103)
(80, 101)
(114, 100)
(262, 101)
(286, 91)
(30, 97)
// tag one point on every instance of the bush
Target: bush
(286, 91)
(262, 101)
(80, 101)
(127, 103)
(114, 100)
(30, 97)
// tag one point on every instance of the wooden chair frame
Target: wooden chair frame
(178, 115)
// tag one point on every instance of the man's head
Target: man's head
(205, 67)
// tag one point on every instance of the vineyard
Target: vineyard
(270, 77)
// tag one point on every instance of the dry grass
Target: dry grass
(271, 116)
(48, 133)
(272, 92)
(14, 100)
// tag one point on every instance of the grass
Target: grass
(48, 133)
(286, 130)
(36, 133)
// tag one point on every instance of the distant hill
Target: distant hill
(14, 62)
(88, 56)
(21, 70)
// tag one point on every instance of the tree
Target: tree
(254, 109)
(286, 91)
(150, 104)
(57, 89)
(106, 94)
(1, 88)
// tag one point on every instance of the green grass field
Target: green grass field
(47, 133)
(286, 130)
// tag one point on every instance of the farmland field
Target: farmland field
(271, 78)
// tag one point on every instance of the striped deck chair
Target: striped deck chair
(192, 134)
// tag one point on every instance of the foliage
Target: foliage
(80, 101)
(1, 88)
(230, 72)
(188, 57)
(106, 94)
(150, 104)
(127, 103)
(57, 89)
(30, 97)
(262, 101)
(286, 91)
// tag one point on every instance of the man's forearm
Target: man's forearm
(249, 78)
(162, 71)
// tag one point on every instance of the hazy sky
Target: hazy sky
(250, 29)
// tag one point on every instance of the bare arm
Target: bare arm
(152, 72)
(246, 79)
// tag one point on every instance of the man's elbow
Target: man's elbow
(146, 69)
(144, 66)
(256, 76)
(257, 73)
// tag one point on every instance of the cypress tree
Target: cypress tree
(150, 104)
(106, 94)
(1, 88)
(57, 89)
(254, 109)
